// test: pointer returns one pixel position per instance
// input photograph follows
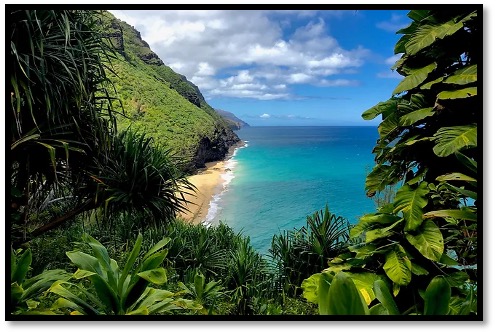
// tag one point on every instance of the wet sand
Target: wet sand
(208, 183)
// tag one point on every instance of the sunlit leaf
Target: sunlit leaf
(411, 202)
(428, 240)
(457, 94)
(415, 78)
(398, 266)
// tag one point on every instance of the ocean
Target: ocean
(284, 174)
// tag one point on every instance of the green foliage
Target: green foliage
(427, 150)
(25, 292)
(411, 203)
(453, 139)
(137, 176)
(206, 294)
(246, 272)
(118, 291)
(339, 295)
(60, 106)
(301, 252)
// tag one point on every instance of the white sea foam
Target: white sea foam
(227, 177)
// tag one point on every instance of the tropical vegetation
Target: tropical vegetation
(96, 185)
(422, 247)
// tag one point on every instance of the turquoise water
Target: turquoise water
(284, 174)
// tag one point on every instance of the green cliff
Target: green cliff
(162, 102)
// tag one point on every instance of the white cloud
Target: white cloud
(338, 82)
(245, 53)
(299, 78)
(265, 116)
(395, 23)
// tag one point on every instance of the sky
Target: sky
(365, 100)
(280, 67)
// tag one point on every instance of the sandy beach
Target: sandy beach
(208, 182)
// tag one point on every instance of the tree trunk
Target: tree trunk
(88, 205)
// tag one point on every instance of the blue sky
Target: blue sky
(283, 67)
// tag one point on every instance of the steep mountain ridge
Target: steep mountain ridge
(232, 120)
(163, 103)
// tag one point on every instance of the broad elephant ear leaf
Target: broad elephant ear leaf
(454, 139)
(415, 78)
(344, 298)
(380, 108)
(384, 296)
(457, 94)
(428, 240)
(398, 266)
(310, 288)
(437, 297)
(427, 34)
(463, 76)
(411, 202)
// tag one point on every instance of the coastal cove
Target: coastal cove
(282, 175)
(244, 164)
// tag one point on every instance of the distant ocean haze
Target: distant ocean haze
(284, 174)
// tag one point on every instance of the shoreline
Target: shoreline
(209, 183)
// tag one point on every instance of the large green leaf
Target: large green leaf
(130, 261)
(85, 261)
(411, 201)
(381, 176)
(380, 232)
(344, 298)
(465, 214)
(469, 163)
(398, 266)
(384, 296)
(40, 283)
(364, 283)
(428, 240)
(388, 125)
(155, 276)
(429, 84)
(457, 94)
(415, 78)
(154, 260)
(462, 191)
(371, 220)
(427, 34)
(437, 297)
(103, 258)
(418, 15)
(381, 107)
(151, 296)
(58, 289)
(159, 245)
(323, 293)
(21, 267)
(453, 139)
(463, 76)
(455, 177)
(415, 116)
(310, 287)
